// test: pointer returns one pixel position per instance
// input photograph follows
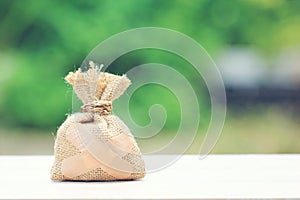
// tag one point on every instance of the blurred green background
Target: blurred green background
(255, 43)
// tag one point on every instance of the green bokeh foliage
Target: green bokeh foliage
(40, 41)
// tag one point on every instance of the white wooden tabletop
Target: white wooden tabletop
(217, 176)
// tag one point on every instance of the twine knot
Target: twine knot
(98, 106)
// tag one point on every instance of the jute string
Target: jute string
(98, 106)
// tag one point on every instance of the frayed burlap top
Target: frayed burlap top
(96, 145)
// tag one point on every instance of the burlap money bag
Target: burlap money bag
(94, 144)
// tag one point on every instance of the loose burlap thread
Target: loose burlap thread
(95, 144)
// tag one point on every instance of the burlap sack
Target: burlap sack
(96, 145)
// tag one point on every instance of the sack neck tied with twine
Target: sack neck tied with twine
(94, 144)
(97, 89)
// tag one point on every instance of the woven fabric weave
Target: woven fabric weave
(96, 145)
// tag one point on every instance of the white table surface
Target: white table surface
(217, 176)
